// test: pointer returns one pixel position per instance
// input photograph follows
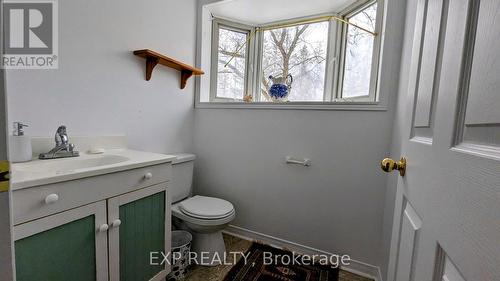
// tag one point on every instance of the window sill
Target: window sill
(345, 106)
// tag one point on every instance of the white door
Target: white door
(447, 214)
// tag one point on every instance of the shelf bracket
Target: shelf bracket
(150, 65)
(185, 75)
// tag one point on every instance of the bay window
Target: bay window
(324, 59)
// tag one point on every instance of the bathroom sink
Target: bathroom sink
(40, 172)
(59, 166)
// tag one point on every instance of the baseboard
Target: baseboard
(356, 267)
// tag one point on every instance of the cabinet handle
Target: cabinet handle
(103, 228)
(148, 176)
(51, 198)
(116, 223)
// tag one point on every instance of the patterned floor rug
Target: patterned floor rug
(281, 269)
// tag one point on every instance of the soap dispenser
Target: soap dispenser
(20, 144)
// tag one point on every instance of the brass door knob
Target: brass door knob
(388, 165)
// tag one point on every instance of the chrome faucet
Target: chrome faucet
(63, 148)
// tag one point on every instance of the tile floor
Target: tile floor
(217, 273)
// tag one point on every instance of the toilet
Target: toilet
(204, 217)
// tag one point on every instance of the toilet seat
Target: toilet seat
(203, 207)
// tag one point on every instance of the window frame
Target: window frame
(340, 69)
(376, 101)
(217, 24)
(260, 53)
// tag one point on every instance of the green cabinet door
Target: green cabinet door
(64, 246)
(142, 228)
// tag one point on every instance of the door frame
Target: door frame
(97, 209)
(6, 242)
(114, 233)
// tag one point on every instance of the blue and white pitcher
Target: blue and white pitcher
(280, 88)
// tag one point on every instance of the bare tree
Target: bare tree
(285, 50)
(231, 61)
(359, 51)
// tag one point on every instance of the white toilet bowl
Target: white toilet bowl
(205, 218)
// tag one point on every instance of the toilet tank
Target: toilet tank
(181, 184)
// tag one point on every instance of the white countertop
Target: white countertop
(41, 172)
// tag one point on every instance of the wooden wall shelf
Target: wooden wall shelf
(153, 58)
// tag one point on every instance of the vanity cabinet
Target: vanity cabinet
(110, 239)
(63, 245)
(141, 217)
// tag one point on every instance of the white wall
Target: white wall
(336, 205)
(99, 88)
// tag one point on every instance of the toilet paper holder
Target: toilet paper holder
(304, 162)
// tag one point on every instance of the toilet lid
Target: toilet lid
(206, 207)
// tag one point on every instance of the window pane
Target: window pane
(231, 76)
(358, 54)
(299, 51)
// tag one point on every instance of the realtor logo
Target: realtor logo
(30, 34)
